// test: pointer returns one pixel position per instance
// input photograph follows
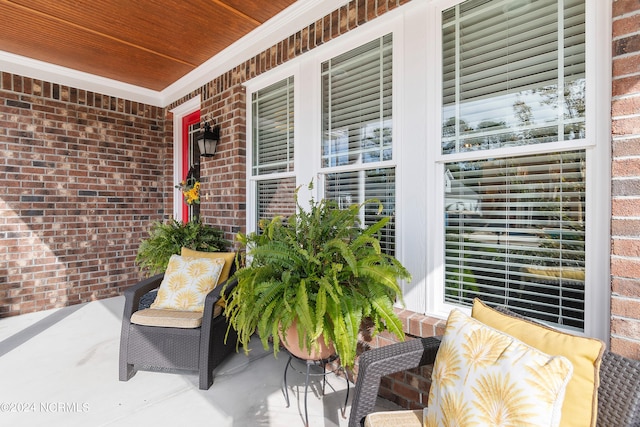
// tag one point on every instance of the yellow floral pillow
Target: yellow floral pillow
(581, 400)
(186, 283)
(485, 377)
(229, 258)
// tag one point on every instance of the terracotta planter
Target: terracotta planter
(292, 345)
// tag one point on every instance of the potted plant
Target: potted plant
(166, 239)
(320, 273)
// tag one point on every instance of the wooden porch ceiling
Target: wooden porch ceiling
(146, 43)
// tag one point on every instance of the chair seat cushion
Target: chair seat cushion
(484, 377)
(394, 419)
(170, 318)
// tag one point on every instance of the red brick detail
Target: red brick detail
(625, 327)
(626, 106)
(626, 247)
(626, 147)
(626, 45)
(84, 175)
(626, 287)
(625, 307)
(625, 227)
(625, 207)
(631, 125)
(623, 7)
(625, 267)
(626, 347)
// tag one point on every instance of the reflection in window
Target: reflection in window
(515, 234)
(510, 76)
(357, 135)
(355, 187)
(356, 105)
(275, 197)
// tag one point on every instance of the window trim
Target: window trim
(252, 86)
(417, 121)
(597, 280)
(306, 71)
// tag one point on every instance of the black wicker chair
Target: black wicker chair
(618, 395)
(197, 349)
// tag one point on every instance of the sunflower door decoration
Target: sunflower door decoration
(190, 190)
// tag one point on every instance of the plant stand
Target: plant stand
(309, 364)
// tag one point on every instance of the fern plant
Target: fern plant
(167, 239)
(320, 269)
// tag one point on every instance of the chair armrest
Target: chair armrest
(378, 362)
(619, 391)
(133, 293)
(214, 296)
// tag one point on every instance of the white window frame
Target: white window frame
(416, 146)
(389, 23)
(597, 290)
(321, 172)
(255, 85)
(306, 71)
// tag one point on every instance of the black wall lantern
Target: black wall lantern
(208, 140)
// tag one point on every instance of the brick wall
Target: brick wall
(224, 176)
(625, 186)
(51, 242)
(81, 176)
(409, 389)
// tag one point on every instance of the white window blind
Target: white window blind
(272, 110)
(515, 233)
(357, 132)
(355, 187)
(272, 157)
(356, 105)
(513, 73)
(275, 197)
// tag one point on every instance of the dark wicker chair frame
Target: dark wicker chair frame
(618, 395)
(198, 349)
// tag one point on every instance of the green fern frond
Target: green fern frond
(306, 315)
(320, 269)
(343, 249)
(384, 309)
(375, 228)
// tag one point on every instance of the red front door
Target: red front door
(187, 154)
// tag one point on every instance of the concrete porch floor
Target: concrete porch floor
(60, 368)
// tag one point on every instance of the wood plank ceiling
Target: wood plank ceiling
(146, 43)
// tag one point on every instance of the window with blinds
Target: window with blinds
(357, 132)
(355, 187)
(515, 234)
(272, 110)
(513, 73)
(275, 197)
(356, 105)
(273, 150)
